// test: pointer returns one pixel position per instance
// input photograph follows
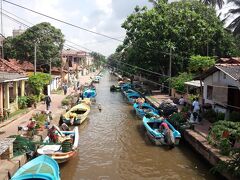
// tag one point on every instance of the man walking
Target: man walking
(65, 87)
(48, 101)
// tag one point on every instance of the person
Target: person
(32, 124)
(163, 127)
(72, 118)
(65, 87)
(53, 136)
(181, 101)
(99, 107)
(196, 108)
(48, 101)
(60, 122)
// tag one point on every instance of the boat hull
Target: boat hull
(145, 108)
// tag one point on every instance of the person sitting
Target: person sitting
(163, 128)
(53, 136)
(32, 124)
(72, 118)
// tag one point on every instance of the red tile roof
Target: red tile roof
(11, 67)
(232, 60)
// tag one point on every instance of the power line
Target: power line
(70, 24)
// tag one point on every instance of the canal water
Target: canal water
(113, 145)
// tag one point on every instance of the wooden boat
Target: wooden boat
(144, 108)
(42, 168)
(114, 88)
(77, 114)
(125, 86)
(132, 97)
(152, 127)
(65, 150)
(89, 93)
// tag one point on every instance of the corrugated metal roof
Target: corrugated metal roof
(195, 83)
(232, 70)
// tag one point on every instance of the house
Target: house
(12, 85)
(222, 87)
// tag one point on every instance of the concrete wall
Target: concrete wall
(220, 94)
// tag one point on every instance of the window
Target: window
(209, 92)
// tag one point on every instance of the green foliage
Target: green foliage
(191, 97)
(178, 82)
(22, 102)
(186, 27)
(38, 81)
(234, 116)
(49, 44)
(40, 119)
(32, 99)
(99, 59)
(210, 115)
(67, 100)
(216, 135)
(200, 63)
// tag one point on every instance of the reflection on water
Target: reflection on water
(113, 145)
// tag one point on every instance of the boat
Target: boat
(89, 93)
(66, 147)
(96, 79)
(114, 88)
(132, 97)
(42, 168)
(77, 114)
(125, 86)
(143, 109)
(129, 91)
(152, 124)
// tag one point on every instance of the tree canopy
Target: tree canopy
(186, 27)
(99, 59)
(49, 43)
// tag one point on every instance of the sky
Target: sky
(102, 16)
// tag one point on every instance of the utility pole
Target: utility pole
(170, 70)
(35, 57)
(50, 67)
(2, 31)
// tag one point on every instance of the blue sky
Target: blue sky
(103, 16)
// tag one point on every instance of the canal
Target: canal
(113, 145)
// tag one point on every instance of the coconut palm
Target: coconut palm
(213, 3)
(235, 24)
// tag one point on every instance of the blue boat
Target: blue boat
(129, 91)
(132, 97)
(152, 126)
(125, 86)
(89, 93)
(42, 167)
(145, 108)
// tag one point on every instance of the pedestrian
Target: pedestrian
(65, 87)
(196, 108)
(48, 101)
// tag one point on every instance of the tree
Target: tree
(99, 59)
(213, 3)
(235, 24)
(38, 82)
(178, 82)
(186, 27)
(49, 41)
(197, 64)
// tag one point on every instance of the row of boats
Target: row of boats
(45, 166)
(151, 117)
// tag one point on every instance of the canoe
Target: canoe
(42, 167)
(152, 125)
(145, 108)
(89, 93)
(78, 113)
(129, 91)
(65, 149)
(125, 86)
(132, 97)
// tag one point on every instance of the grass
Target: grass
(17, 112)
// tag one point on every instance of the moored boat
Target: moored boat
(152, 127)
(132, 97)
(143, 109)
(77, 114)
(42, 168)
(129, 91)
(115, 88)
(125, 86)
(64, 149)
(89, 93)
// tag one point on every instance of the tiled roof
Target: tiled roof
(70, 52)
(6, 66)
(6, 76)
(25, 65)
(232, 60)
(233, 70)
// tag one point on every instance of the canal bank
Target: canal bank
(113, 145)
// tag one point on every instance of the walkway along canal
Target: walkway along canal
(113, 145)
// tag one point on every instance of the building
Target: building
(12, 85)
(17, 32)
(222, 87)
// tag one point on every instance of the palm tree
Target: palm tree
(213, 3)
(235, 24)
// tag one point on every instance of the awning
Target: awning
(194, 83)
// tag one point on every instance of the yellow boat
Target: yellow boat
(77, 114)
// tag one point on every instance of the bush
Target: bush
(65, 102)
(225, 147)
(178, 82)
(22, 102)
(32, 100)
(234, 116)
(40, 119)
(210, 115)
